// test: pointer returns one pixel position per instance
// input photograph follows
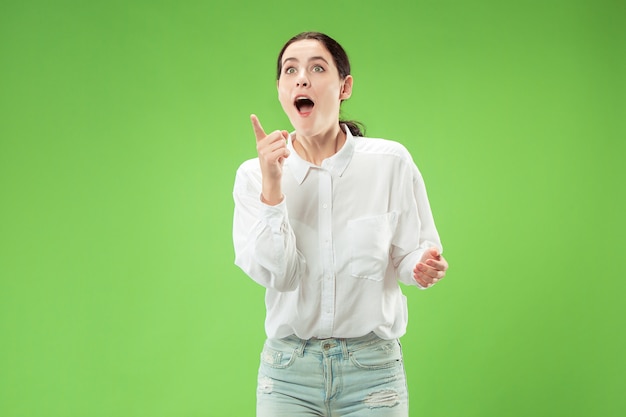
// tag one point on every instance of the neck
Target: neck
(315, 149)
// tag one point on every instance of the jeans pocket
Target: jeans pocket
(386, 354)
(279, 358)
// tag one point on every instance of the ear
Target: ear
(346, 88)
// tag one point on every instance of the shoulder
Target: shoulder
(249, 166)
(248, 176)
(388, 155)
(382, 147)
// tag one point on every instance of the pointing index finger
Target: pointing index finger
(258, 129)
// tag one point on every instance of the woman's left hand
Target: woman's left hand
(431, 268)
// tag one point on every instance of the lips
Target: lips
(304, 104)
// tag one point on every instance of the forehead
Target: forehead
(306, 48)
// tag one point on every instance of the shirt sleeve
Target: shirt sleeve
(416, 231)
(264, 242)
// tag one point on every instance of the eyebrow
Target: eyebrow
(313, 58)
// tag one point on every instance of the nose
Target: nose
(302, 81)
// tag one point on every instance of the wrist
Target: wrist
(272, 195)
(271, 200)
(271, 192)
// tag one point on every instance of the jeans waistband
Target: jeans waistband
(323, 346)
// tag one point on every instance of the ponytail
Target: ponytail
(356, 128)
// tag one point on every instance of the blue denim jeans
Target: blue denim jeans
(361, 376)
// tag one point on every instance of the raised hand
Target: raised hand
(431, 268)
(272, 151)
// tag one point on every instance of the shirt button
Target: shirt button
(325, 205)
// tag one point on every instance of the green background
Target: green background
(123, 122)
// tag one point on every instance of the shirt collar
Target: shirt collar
(336, 164)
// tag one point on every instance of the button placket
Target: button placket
(326, 248)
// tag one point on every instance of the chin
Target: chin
(308, 126)
(308, 133)
(303, 127)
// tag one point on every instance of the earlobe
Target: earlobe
(346, 88)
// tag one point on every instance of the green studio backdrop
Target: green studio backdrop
(122, 124)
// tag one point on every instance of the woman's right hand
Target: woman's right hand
(272, 150)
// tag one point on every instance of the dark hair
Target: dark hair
(341, 61)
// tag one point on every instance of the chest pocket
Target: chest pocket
(370, 242)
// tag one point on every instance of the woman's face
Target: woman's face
(309, 88)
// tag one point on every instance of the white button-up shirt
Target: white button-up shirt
(330, 255)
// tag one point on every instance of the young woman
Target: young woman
(329, 222)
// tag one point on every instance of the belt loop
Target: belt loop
(300, 349)
(344, 348)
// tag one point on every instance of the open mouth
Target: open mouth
(304, 104)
